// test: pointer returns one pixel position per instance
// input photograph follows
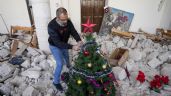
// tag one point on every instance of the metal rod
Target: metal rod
(5, 24)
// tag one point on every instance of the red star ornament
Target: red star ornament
(88, 27)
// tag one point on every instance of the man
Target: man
(59, 30)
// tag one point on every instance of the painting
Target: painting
(115, 18)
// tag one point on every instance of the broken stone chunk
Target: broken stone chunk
(154, 63)
(119, 72)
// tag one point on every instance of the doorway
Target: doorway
(95, 10)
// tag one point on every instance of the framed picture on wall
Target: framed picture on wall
(115, 18)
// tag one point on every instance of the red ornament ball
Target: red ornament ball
(86, 53)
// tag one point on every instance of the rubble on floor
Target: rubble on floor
(33, 77)
(4, 47)
(147, 56)
(29, 73)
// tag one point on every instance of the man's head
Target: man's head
(61, 16)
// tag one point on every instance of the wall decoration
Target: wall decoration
(121, 20)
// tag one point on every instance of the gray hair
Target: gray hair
(60, 11)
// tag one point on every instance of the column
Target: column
(41, 13)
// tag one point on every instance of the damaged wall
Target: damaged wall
(14, 12)
(166, 19)
(146, 13)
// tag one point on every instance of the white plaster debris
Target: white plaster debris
(120, 44)
(31, 74)
(135, 54)
(129, 43)
(32, 52)
(4, 53)
(169, 47)
(30, 91)
(119, 72)
(152, 55)
(164, 56)
(35, 76)
(5, 69)
(26, 63)
(154, 62)
(135, 41)
(116, 39)
(3, 38)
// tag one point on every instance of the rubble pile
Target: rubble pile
(33, 76)
(144, 55)
(4, 47)
(29, 74)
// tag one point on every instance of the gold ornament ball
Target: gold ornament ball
(79, 82)
(92, 92)
(89, 65)
(104, 66)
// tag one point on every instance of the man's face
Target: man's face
(62, 19)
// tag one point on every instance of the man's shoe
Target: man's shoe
(58, 86)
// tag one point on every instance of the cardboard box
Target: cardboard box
(118, 57)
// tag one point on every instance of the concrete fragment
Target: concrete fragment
(39, 58)
(154, 63)
(6, 88)
(119, 72)
(21, 50)
(44, 64)
(130, 64)
(17, 81)
(135, 41)
(31, 74)
(3, 38)
(30, 91)
(110, 47)
(164, 56)
(4, 53)
(7, 44)
(165, 48)
(32, 52)
(135, 54)
(26, 64)
(5, 69)
(169, 47)
(116, 39)
(152, 55)
(51, 61)
(129, 43)
(120, 44)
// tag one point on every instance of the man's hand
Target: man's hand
(80, 43)
(76, 47)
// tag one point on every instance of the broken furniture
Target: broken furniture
(118, 57)
(25, 35)
(164, 33)
(122, 34)
(131, 35)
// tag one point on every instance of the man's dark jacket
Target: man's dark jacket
(58, 35)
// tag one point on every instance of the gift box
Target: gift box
(118, 57)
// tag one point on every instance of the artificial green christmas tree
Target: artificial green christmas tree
(91, 75)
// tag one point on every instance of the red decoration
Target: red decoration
(165, 79)
(141, 77)
(86, 53)
(88, 27)
(158, 82)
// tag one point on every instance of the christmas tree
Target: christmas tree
(91, 75)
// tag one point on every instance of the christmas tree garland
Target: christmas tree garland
(91, 75)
